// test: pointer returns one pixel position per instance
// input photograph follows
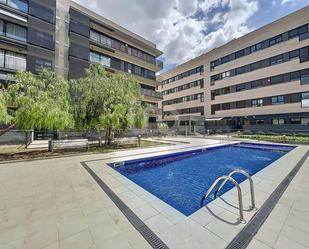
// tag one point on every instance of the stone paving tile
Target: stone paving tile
(145, 212)
(256, 244)
(158, 223)
(285, 243)
(81, 240)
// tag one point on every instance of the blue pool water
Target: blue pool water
(181, 179)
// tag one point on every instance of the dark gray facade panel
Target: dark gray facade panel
(41, 39)
(47, 3)
(35, 64)
(43, 53)
(79, 51)
(45, 11)
(41, 25)
(77, 68)
(78, 39)
(79, 23)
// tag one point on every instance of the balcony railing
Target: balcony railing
(151, 93)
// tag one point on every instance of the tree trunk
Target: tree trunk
(109, 136)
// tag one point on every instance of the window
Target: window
(278, 121)
(240, 104)
(260, 121)
(255, 65)
(303, 29)
(256, 84)
(2, 30)
(298, 31)
(226, 106)
(255, 48)
(98, 58)
(13, 31)
(276, 79)
(240, 87)
(278, 100)
(94, 57)
(16, 32)
(226, 74)
(240, 53)
(240, 70)
(1, 58)
(257, 102)
(305, 121)
(295, 75)
(276, 60)
(41, 63)
(294, 54)
(305, 100)
(15, 61)
(295, 120)
(94, 36)
(275, 40)
(18, 4)
(225, 59)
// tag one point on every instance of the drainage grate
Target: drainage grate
(242, 240)
(138, 224)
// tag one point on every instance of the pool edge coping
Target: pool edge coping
(166, 153)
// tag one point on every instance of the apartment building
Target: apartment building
(258, 82)
(65, 37)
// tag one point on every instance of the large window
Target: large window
(99, 58)
(16, 32)
(21, 5)
(12, 60)
(2, 58)
(295, 120)
(278, 121)
(42, 63)
(275, 40)
(305, 100)
(257, 102)
(278, 100)
(13, 31)
(2, 30)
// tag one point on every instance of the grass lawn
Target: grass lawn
(296, 139)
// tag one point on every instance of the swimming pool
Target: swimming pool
(181, 179)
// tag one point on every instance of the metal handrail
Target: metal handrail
(246, 174)
(227, 178)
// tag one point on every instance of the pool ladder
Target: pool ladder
(227, 178)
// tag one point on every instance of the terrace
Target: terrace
(81, 202)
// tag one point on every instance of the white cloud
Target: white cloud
(283, 2)
(175, 26)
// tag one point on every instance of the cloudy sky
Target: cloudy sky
(184, 29)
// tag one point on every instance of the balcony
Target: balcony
(151, 93)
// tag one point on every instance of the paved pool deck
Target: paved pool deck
(55, 203)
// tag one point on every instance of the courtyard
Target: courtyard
(56, 203)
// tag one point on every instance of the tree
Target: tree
(5, 118)
(41, 101)
(106, 100)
